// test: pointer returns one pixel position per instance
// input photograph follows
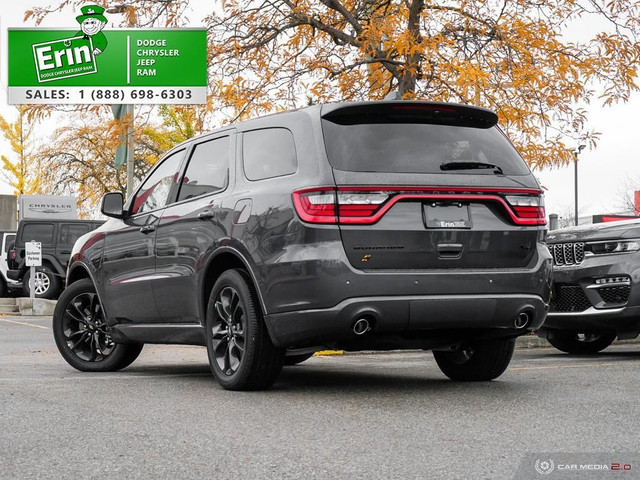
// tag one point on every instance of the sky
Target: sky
(602, 172)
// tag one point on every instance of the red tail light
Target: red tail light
(328, 205)
(529, 207)
(366, 205)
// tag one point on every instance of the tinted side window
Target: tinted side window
(70, 233)
(9, 239)
(155, 190)
(268, 153)
(40, 232)
(208, 169)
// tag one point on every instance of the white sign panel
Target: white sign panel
(33, 254)
(48, 206)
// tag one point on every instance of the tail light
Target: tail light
(366, 205)
(326, 205)
(528, 207)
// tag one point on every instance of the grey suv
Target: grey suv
(359, 226)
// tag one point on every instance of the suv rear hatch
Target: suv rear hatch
(425, 186)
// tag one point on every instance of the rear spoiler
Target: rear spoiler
(410, 112)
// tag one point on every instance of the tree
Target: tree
(627, 193)
(80, 155)
(24, 173)
(508, 55)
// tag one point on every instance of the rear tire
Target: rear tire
(588, 343)
(478, 362)
(240, 351)
(47, 284)
(291, 360)
(82, 336)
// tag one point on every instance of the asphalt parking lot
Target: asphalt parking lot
(363, 416)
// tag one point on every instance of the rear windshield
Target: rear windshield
(415, 144)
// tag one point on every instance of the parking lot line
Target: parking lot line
(577, 365)
(23, 323)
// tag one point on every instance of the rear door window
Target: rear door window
(39, 232)
(208, 169)
(268, 153)
(70, 233)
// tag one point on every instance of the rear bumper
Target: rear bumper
(460, 316)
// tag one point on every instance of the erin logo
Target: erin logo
(71, 57)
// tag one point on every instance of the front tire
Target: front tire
(47, 285)
(588, 343)
(82, 336)
(240, 351)
(479, 362)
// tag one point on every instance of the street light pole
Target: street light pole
(576, 152)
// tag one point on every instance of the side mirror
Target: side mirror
(111, 205)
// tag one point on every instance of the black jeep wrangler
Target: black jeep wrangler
(57, 238)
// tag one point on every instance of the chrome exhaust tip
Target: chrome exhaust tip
(522, 320)
(361, 326)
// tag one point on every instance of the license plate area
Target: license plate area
(446, 215)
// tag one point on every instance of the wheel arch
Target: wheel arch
(78, 271)
(224, 259)
(54, 264)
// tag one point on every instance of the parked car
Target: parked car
(6, 285)
(595, 297)
(374, 225)
(57, 238)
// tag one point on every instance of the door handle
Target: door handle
(206, 215)
(148, 229)
(65, 252)
(450, 250)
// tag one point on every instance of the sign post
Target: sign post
(33, 259)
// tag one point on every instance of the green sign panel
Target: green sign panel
(110, 66)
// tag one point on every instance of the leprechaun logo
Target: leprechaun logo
(92, 21)
(74, 56)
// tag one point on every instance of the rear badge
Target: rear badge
(365, 258)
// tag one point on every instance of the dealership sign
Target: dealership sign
(48, 206)
(151, 66)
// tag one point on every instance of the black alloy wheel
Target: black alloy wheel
(228, 331)
(84, 329)
(82, 335)
(240, 351)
